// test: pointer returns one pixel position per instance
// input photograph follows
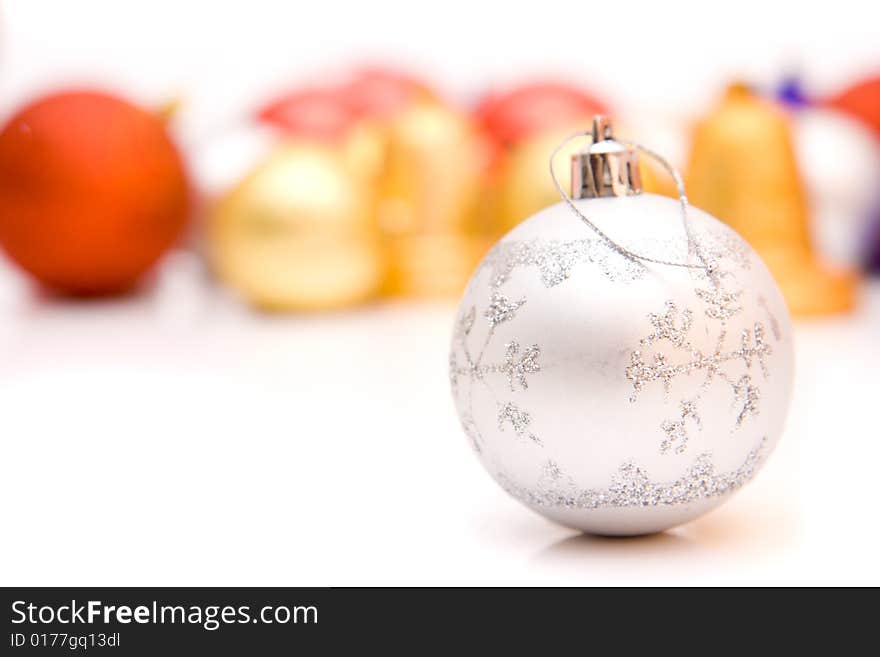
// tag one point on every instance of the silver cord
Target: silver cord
(682, 198)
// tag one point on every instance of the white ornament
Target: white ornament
(840, 162)
(614, 395)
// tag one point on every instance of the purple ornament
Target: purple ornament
(790, 93)
(872, 244)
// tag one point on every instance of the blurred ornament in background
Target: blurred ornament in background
(92, 191)
(417, 156)
(518, 186)
(523, 124)
(862, 101)
(617, 366)
(326, 116)
(743, 169)
(299, 232)
(429, 164)
(382, 93)
(377, 97)
(790, 92)
(871, 254)
(839, 160)
(428, 200)
(668, 132)
(320, 114)
(513, 115)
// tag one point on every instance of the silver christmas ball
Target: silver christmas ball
(614, 395)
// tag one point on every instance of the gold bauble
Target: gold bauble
(299, 232)
(433, 265)
(522, 183)
(364, 149)
(743, 170)
(428, 197)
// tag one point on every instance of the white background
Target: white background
(177, 438)
(221, 58)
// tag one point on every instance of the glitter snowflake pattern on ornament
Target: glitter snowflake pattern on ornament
(632, 485)
(748, 395)
(555, 260)
(519, 419)
(501, 309)
(677, 430)
(517, 366)
(720, 304)
(672, 327)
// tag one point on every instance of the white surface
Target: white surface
(177, 438)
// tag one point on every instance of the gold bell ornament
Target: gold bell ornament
(428, 199)
(743, 170)
(299, 232)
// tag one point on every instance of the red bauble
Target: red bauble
(516, 114)
(328, 114)
(320, 114)
(861, 101)
(382, 93)
(92, 191)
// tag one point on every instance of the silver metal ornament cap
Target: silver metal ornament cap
(606, 167)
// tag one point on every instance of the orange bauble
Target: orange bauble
(92, 191)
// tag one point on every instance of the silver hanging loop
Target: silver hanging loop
(605, 167)
(609, 167)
